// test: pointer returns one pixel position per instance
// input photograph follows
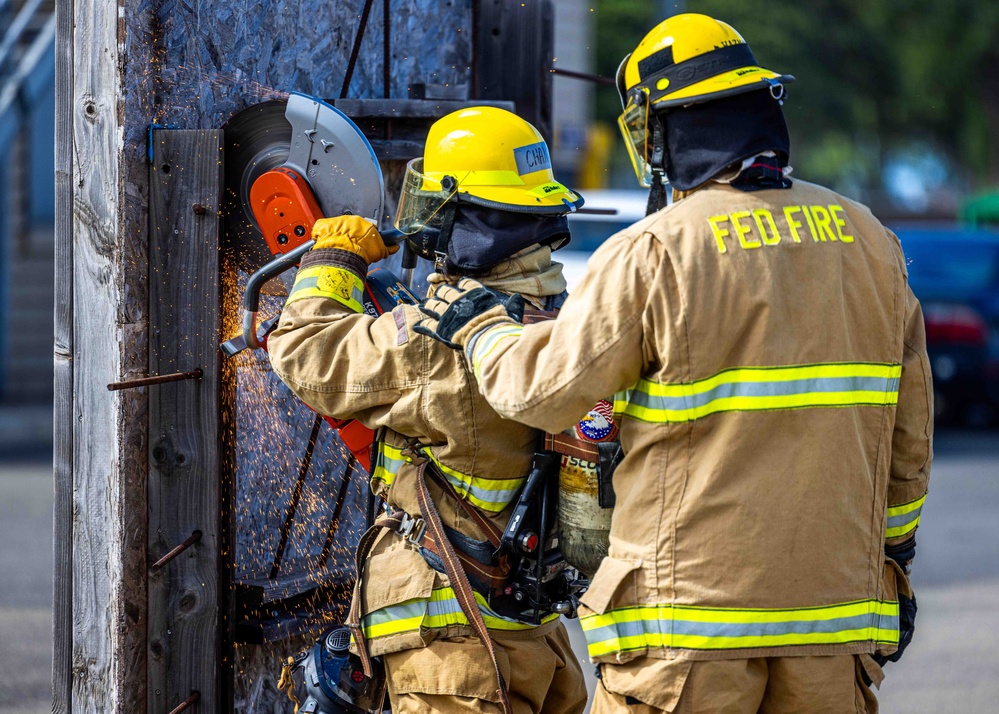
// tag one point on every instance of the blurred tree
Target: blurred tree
(875, 77)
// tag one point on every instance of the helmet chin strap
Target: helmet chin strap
(657, 193)
(443, 246)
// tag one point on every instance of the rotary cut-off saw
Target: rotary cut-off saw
(288, 164)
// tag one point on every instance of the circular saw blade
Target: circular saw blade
(257, 140)
(315, 140)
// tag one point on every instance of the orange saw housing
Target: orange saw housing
(285, 209)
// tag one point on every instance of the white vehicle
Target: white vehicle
(589, 230)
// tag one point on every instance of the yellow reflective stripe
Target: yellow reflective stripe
(763, 389)
(488, 494)
(440, 610)
(329, 281)
(489, 340)
(904, 518)
(396, 619)
(779, 374)
(685, 627)
(388, 461)
(909, 507)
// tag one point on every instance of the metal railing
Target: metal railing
(31, 15)
(27, 73)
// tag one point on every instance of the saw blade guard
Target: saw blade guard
(306, 137)
(336, 159)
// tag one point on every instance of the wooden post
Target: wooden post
(104, 282)
(63, 418)
(184, 193)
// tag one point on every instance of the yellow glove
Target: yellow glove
(354, 234)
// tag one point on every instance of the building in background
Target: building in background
(27, 129)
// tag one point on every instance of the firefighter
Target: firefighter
(770, 371)
(482, 201)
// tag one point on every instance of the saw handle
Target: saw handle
(251, 297)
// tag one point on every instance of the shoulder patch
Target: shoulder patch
(598, 424)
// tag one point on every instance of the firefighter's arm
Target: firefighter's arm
(912, 438)
(339, 361)
(909, 474)
(548, 374)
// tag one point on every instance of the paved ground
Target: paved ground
(25, 587)
(952, 666)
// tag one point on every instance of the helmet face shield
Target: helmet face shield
(422, 197)
(634, 125)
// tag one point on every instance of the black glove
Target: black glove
(455, 314)
(906, 628)
(902, 553)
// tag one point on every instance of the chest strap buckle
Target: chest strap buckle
(412, 528)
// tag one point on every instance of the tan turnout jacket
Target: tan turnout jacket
(346, 364)
(774, 395)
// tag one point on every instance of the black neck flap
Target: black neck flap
(482, 237)
(704, 139)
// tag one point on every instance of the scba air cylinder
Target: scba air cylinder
(584, 527)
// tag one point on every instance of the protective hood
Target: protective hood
(704, 139)
(482, 237)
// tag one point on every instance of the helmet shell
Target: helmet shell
(498, 160)
(692, 58)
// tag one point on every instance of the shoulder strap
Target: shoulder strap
(459, 581)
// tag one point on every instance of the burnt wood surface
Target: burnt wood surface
(183, 416)
(121, 68)
(515, 44)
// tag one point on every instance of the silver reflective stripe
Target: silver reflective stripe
(503, 496)
(730, 629)
(765, 389)
(638, 627)
(904, 520)
(395, 619)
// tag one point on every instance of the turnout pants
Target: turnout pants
(455, 675)
(770, 685)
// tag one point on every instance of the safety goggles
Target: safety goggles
(634, 125)
(422, 197)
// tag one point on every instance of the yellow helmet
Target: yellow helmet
(486, 156)
(685, 59)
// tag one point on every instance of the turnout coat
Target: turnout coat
(771, 379)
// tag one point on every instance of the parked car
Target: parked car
(605, 213)
(955, 275)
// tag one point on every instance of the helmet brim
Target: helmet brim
(517, 200)
(726, 84)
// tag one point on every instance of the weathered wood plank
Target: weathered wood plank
(184, 416)
(109, 338)
(96, 526)
(62, 595)
(191, 65)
